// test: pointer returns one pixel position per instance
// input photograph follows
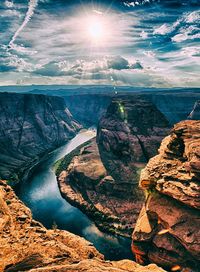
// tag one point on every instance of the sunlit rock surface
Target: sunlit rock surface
(25, 245)
(167, 231)
(31, 126)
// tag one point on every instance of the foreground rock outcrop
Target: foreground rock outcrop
(86, 184)
(25, 245)
(167, 231)
(31, 126)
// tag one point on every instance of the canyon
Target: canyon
(87, 104)
(175, 106)
(101, 178)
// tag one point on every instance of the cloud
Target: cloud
(141, 46)
(9, 4)
(50, 69)
(87, 68)
(31, 8)
(118, 63)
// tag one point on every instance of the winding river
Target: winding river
(41, 194)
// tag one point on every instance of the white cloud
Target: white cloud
(9, 4)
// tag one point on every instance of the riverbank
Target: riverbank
(85, 183)
(41, 194)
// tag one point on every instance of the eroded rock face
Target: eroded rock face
(195, 113)
(103, 179)
(167, 231)
(31, 125)
(86, 184)
(25, 245)
(88, 108)
(128, 136)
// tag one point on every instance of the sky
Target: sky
(143, 43)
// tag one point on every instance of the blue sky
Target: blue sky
(138, 43)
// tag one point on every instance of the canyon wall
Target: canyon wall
(167, 231)
(88, 109)
(175, 105)
(102, 177)
(30, 126)
(128, 136)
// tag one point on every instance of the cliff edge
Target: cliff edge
(25, 245)
(167, 231)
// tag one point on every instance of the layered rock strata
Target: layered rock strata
(31, 126)
(102, 179)
(167, 231)
(86, 184)
(128, 136)
(25, 245)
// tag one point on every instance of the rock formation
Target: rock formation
(105, 185)
(88, 103)
(167, 231)
(30, 126)
(86, 184)
(25, 245)
(128, 136)
(195, 113)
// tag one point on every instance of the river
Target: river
(41, 194)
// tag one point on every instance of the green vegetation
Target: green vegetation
(14, 179)
(63, 163)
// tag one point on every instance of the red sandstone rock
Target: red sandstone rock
(171, 180)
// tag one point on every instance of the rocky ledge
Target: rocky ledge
(167, 231)
(25, 245)
(85, 183)
(31, 126)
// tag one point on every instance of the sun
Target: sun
(96, 28)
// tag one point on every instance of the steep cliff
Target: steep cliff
(25, 245)
(174, 104)
(88, 108)
(102, 179)
(167, 231)
(88, 103)
(128, 136)
(31, 125)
